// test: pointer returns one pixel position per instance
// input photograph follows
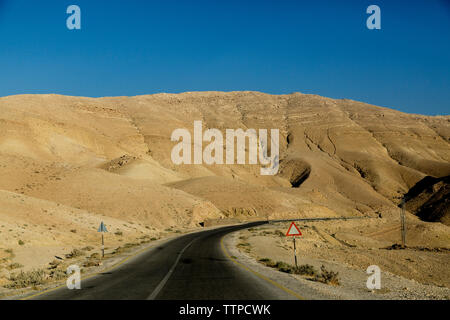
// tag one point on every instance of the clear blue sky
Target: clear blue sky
(142, 47)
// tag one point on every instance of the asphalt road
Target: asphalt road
(190, 267)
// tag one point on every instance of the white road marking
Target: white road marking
(161, 285)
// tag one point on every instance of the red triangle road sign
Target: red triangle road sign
(293, 230)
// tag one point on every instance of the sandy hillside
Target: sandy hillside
(67, 163)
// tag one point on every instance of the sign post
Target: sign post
(102, 229)
(294, 231)
(295, 254)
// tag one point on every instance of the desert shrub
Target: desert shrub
(328, 277)
(26, 279)
(279, 233)
(58, 274)
(118, 233)
(268, 262)
(325, 276)
(88, 248)
(54, 264)
(118, 250)
(244, 244)
(95, 255)
(75, 253)
(14, 265)
(284, 267)
(305, 269)
(21, 243)
(91, 263)
(73, 230)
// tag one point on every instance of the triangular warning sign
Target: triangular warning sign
(293, 230)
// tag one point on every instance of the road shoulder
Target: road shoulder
(352, 282)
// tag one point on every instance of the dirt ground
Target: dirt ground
(88, 258)
(53, 260)
(349, 247)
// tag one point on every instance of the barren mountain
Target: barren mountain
(110, 158)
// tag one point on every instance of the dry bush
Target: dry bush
(92, 263)
(284, 267)
(54, 264)
(327, 276)
(305, 269)
(130, 245)
(280, 265)
(27, 279)
(75, 253)
(243, 244)
(58, 274)
(118, 250)
(268, 262)
(14, 265)
(279, 233)
(95, 255)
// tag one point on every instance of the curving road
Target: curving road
(190, 267)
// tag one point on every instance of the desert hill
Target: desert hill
(110, 159)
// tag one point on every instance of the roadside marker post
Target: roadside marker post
(294, 231)
(102, 229)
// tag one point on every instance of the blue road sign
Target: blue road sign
(102, 228)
